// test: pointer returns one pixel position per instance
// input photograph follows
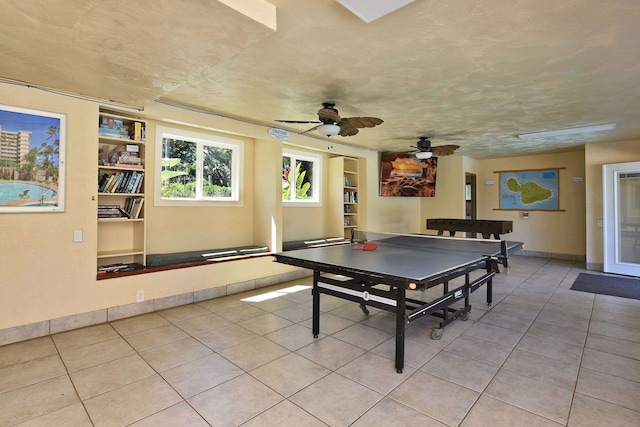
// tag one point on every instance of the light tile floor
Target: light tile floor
(542, 355)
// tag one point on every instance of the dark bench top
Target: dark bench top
(313, 243)
(156, 260)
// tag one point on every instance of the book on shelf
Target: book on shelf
(137, 209)
(138, 184)
(113, 268)
(111, 211)
(118, 128)
(102, 182)
(136, 131)
(114, 133)
(121, 182)
(351, 197)
(109, 155)
(129, 162)
(105, 181)
(116, 182)
(133, 207)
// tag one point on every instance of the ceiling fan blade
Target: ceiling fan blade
(363, 122)
(296, 121)
(312, 129)
(328, 115)
(444, 150)
(346, 129)
(443, 136)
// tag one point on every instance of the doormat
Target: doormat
(626, 287)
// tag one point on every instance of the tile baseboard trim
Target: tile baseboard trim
(551, 255)
(82, 320)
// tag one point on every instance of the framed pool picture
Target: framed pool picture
(32, 160)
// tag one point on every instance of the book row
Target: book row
(132, 209)
(351, 197)
(112, 268)
(133, 206)
(117, 128)
(121, 182)
(111, 211)
(117, 156)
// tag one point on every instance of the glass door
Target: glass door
(621, 185)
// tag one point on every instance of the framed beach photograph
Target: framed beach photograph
(32, 165)
(404, 175)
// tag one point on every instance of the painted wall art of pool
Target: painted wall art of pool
(15, 191)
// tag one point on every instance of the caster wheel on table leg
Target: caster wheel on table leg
(464, 317)
(436, 333)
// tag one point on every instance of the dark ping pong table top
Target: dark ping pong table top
(414, 258)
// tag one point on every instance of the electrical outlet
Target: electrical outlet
(140, 296)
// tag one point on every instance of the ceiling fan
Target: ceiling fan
(425, 150)
(330, 123)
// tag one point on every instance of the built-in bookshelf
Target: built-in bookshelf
(120, 188)
(346, 189)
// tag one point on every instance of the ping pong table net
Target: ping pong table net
(361, 236)
(487, 247)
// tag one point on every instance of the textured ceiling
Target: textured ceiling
(470, 72)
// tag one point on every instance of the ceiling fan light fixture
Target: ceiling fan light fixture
(328, 130)
(423, 155)
(570, 131)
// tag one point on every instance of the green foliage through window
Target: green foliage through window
(197, 169)
(300, 180)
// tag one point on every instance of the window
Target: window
(301, 178)
(196, 169)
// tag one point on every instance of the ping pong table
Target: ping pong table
(403, 263)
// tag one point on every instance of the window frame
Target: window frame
(316, 181)
(201, 139)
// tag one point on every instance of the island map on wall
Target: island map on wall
(529, 190)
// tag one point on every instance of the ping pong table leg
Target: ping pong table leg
(316, 304)
(400, 326)
(490, 291)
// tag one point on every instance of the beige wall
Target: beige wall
(189, 228)
(597, 155)
(558, 233)
(449, 201)
(46, 276)
(267, 195)
(308, 222)
(390, 214)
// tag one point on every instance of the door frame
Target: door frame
(470, 195)
(611, 224)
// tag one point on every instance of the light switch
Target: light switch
(77, 236)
